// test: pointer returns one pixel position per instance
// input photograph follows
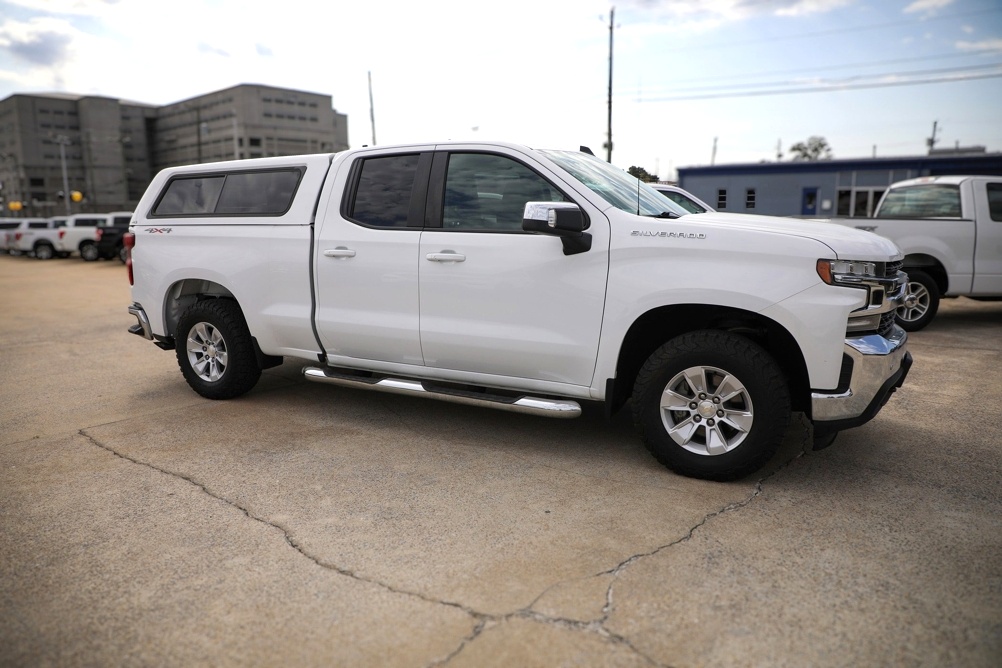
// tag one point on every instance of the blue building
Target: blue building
(825, 188)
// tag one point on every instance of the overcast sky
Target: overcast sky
(752, 75)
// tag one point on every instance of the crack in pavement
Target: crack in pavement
(483, 620)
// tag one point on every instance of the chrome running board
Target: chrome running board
(558, 408)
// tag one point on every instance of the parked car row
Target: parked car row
(92, 236)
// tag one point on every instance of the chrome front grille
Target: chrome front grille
(891, 269)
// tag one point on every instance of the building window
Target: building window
(722, 199)
(255, 141)
(750, 198)
(37, 183)
(857, 202)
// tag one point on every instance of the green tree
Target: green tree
(642, 174)
(815, 148)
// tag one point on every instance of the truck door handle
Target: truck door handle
(340, 251)
(446, 256)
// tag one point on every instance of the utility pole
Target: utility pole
(372, 110)
(931, 141)
(713, 156)
(63, 142)
(608, 136)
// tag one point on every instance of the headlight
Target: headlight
(850, 273)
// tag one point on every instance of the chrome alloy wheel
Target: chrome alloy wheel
(206, 351)
(916, 302)
(706, 410)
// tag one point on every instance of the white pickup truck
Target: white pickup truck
(60, 236)
(527, 280)
(950, 229)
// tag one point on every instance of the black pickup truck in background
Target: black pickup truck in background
(110, 236)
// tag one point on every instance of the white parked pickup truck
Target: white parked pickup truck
(950, 229)
(527, 280)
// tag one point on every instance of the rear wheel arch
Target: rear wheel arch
(184, 293)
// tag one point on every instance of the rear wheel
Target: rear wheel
(44, 251)
(215, 350)
(711, 404)
(123, 254)
(921, 302)
(89, 252)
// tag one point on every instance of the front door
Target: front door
(500, 301)
(988, 253)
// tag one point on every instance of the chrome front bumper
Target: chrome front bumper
(879, 365)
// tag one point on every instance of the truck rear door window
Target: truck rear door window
(383, 195)
(258, 193)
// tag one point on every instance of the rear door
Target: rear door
(366, 259)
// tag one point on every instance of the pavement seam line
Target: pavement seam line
(483, 620)
(285, 532)
(731, 507)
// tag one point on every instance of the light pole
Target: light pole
(63, 142)
(608, 139)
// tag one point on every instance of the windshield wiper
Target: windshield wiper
(664, 214)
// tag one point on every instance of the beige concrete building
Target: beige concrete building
(109, 149)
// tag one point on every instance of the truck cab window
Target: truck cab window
(383, 194)
(488, 192)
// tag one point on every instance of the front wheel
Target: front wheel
(215, 350)
(711, 404)
(921, 302)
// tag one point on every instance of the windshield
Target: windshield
(614, 185)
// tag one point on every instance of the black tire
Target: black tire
(921, 302)
(89, 252)
(730, 430)
(215, 350)
(122, 254)
(44, 251)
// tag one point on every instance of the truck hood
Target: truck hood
(847, 243)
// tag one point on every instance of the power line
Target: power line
(835, 86)
(834, 31)
(847, 66)
(834, 82)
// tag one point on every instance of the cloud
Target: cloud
(989, 45)
(720, 11)
(73, 7)
(212, 50)
(39, 42)
(927, 7)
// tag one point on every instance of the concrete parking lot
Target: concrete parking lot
(309, 525)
